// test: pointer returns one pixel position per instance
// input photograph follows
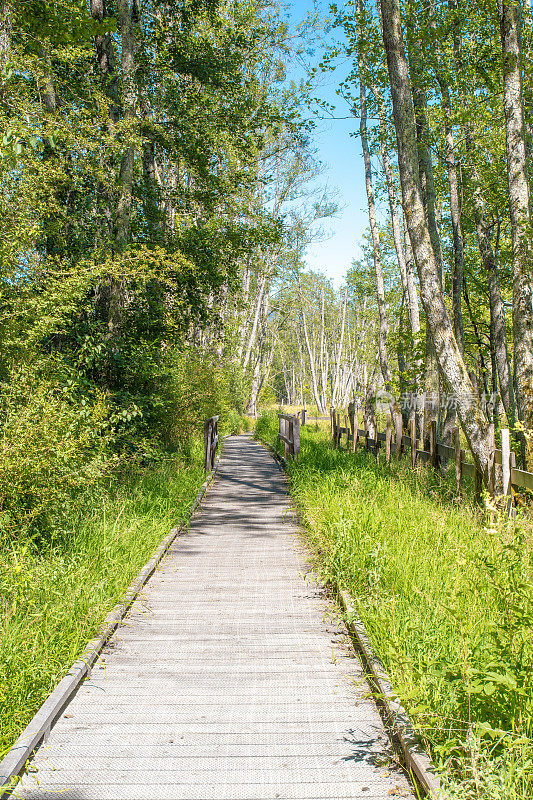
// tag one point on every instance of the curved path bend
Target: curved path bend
(231, 678)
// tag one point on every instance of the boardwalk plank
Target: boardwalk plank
(231, 678)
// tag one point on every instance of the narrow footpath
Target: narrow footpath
(231, 678)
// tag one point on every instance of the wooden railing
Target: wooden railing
(289, 433)
(435, 452)
(211, 442)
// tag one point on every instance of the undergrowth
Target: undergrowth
(55, 592)
(445, 591)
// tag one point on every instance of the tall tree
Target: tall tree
(510, 14)
(449, 357)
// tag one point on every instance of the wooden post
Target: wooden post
(353, 423)
(478, 486)
(508, 464)
(388, 438)
(512, 505)
(296, 437)
(399, 435)
(433, 445)
(506, 461)
(491, 466)
(347, 426)
(207, 446)
(458, 459)
(332, 415)
(412, 426)
(304, 415)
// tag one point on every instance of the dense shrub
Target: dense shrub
(54, 447)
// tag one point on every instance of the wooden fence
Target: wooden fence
(289, 432)
(210, 442)
(436, 452)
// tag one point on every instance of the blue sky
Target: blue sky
(344, 174)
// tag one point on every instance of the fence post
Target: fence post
(399, 435)
(458, 459)
(412, 426)
(388, 438)
(433, 444)
(508, 464)
(332, 415)
(304, 414)
(351, 414)
(506, 461)
(207, 445)
(491, 466)
(377, 443)
(347, 426)
(296, 437)
(512, 508)
(478, 486)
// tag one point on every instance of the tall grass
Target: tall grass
(446, 594)
(55, 594)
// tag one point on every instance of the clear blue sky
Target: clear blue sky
(344, 174)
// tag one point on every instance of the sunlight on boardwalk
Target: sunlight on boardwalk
(230, 679)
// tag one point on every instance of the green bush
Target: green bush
(53, 448)
(191, 389)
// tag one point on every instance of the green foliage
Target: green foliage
(54, 442)
(446, 595)
(266, 429)
(193, 387)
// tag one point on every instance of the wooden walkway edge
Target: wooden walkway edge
(230, 679)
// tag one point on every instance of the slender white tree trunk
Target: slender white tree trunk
(519, 207)
(449, 357)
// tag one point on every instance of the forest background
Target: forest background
(160, 191)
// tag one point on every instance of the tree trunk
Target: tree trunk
(314, 382)
(323, 362)
(340, 351)
(6, 24)
(497, 312)
(257, 314)
(519, 206)
(376, 245)
(406, 274)
(105, 57)
(449, 356)
(127, 20)
(455, 213)
(425, 161)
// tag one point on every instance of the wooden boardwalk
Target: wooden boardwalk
(231, 678)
